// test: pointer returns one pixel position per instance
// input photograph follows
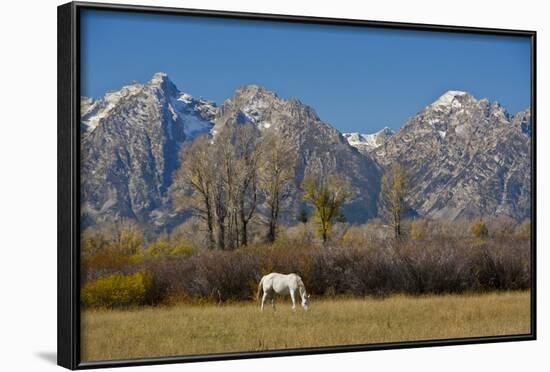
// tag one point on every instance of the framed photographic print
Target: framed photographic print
(236, 185)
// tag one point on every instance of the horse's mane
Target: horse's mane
(301, 286)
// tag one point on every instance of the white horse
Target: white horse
(282, 284)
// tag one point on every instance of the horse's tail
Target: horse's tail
(260, 288)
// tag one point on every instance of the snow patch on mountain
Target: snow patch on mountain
(158, 78)
(197, 115)
(92, 112)
(449, 97)
(370, 141)
(451, 101)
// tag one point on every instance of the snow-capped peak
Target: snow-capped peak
(256, 99)
(252, 90)
(368, 141)
(159, 77)
(160, 81)
(92, 111)
(449, 98)
(190, 115)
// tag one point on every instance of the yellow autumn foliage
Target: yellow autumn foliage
(118, 290)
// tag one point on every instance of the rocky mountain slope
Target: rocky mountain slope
(321, 148)
(130, 141)
(464, 158)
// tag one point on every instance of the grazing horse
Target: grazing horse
(282, 284)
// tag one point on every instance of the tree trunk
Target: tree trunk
(221, 234)
(324, 234)
(271, 233)
(397, 224)
(244, 232)
(232, 228)
(209, 223)
(273, 219)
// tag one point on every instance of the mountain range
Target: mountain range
(463, 157)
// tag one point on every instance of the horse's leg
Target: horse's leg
(293, 298)
(273, 300)
(264, 297)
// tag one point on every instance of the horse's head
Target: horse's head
(305, 301)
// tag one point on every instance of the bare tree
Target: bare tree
(220, 207)
(326, 194)
(247, 161)
(392, 197)
(276, 175)
(235, 190)
(220, 180)
(222, 190)
(194, 182)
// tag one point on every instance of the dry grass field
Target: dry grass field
(198, 329)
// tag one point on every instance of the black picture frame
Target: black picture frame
(68, 319)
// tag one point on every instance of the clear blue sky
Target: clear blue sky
(357, 79)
